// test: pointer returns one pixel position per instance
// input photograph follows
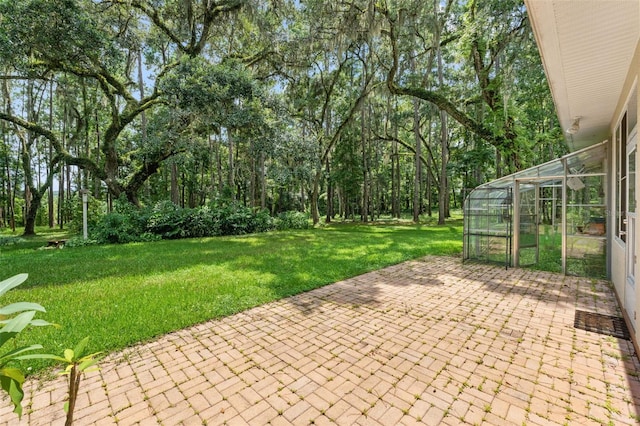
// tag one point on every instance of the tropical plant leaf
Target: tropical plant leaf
(18, 323)
(41, 356)
(83, 366)
(11, 380)
(78, 351)
(21, 307)
(42, 323)
(12, 282)
(13, 374)
(5, 336)
(14, 354)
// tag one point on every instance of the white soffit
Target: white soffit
(586, 48)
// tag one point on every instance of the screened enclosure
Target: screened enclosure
(552, 216)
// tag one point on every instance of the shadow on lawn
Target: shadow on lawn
(284, 263)
(293, 261)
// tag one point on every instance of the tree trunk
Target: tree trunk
(263, 183)
(10, 192)
(364, 211)
(253, 180)
(31, 199)
(330, 191)
(417, 180)
(61, 200)
(397, 176)
(143, 115)
(395, 199)
(315, 214)
(230, 178)
(11, 199)
(219, 166)
(443, 201)
(30, 216)
(96, 179)
(175, 193)
(429, 173)
(444, 141)
(50, 205)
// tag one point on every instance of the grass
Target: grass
(120, 295)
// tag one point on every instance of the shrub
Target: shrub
(125, 224)
(236, 219)
(292, 220)
(263, 222)
(80, 242)
(73, 207)
(201, 222)
(167, 220)
(115, 228)
(10, 240)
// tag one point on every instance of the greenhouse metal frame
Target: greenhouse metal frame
(552, 216)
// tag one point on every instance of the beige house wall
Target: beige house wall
(617, 249)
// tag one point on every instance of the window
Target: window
(621, 190)
(632, 179)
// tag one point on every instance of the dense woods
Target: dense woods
(354, 109)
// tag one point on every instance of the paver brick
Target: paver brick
(430, 340)
(294, 411)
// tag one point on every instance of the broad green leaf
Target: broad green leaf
(42, 356)
(18, 323)
(80, 347)
(21, 307)
(11, 380)
(90, 356)
(12, 282)
(42, 323)
(14, 353)
(69, 355)
(87, 363)
(6, 336)
(13, 374)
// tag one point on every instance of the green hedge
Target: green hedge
(166, 220)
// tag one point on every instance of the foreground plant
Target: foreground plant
(78, 362)
(14, 318)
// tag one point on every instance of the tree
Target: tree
(94, 41)
(357, 108)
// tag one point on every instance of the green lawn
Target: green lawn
(124, 294)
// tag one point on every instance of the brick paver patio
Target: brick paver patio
(430, 341)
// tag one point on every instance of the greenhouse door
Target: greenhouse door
(527, 234)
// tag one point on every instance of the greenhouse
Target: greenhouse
(552, 216)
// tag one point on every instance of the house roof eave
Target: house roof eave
(586, 48)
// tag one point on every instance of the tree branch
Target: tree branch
(389, 138)
(433, 97)
(62, 153)
(196, 43)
